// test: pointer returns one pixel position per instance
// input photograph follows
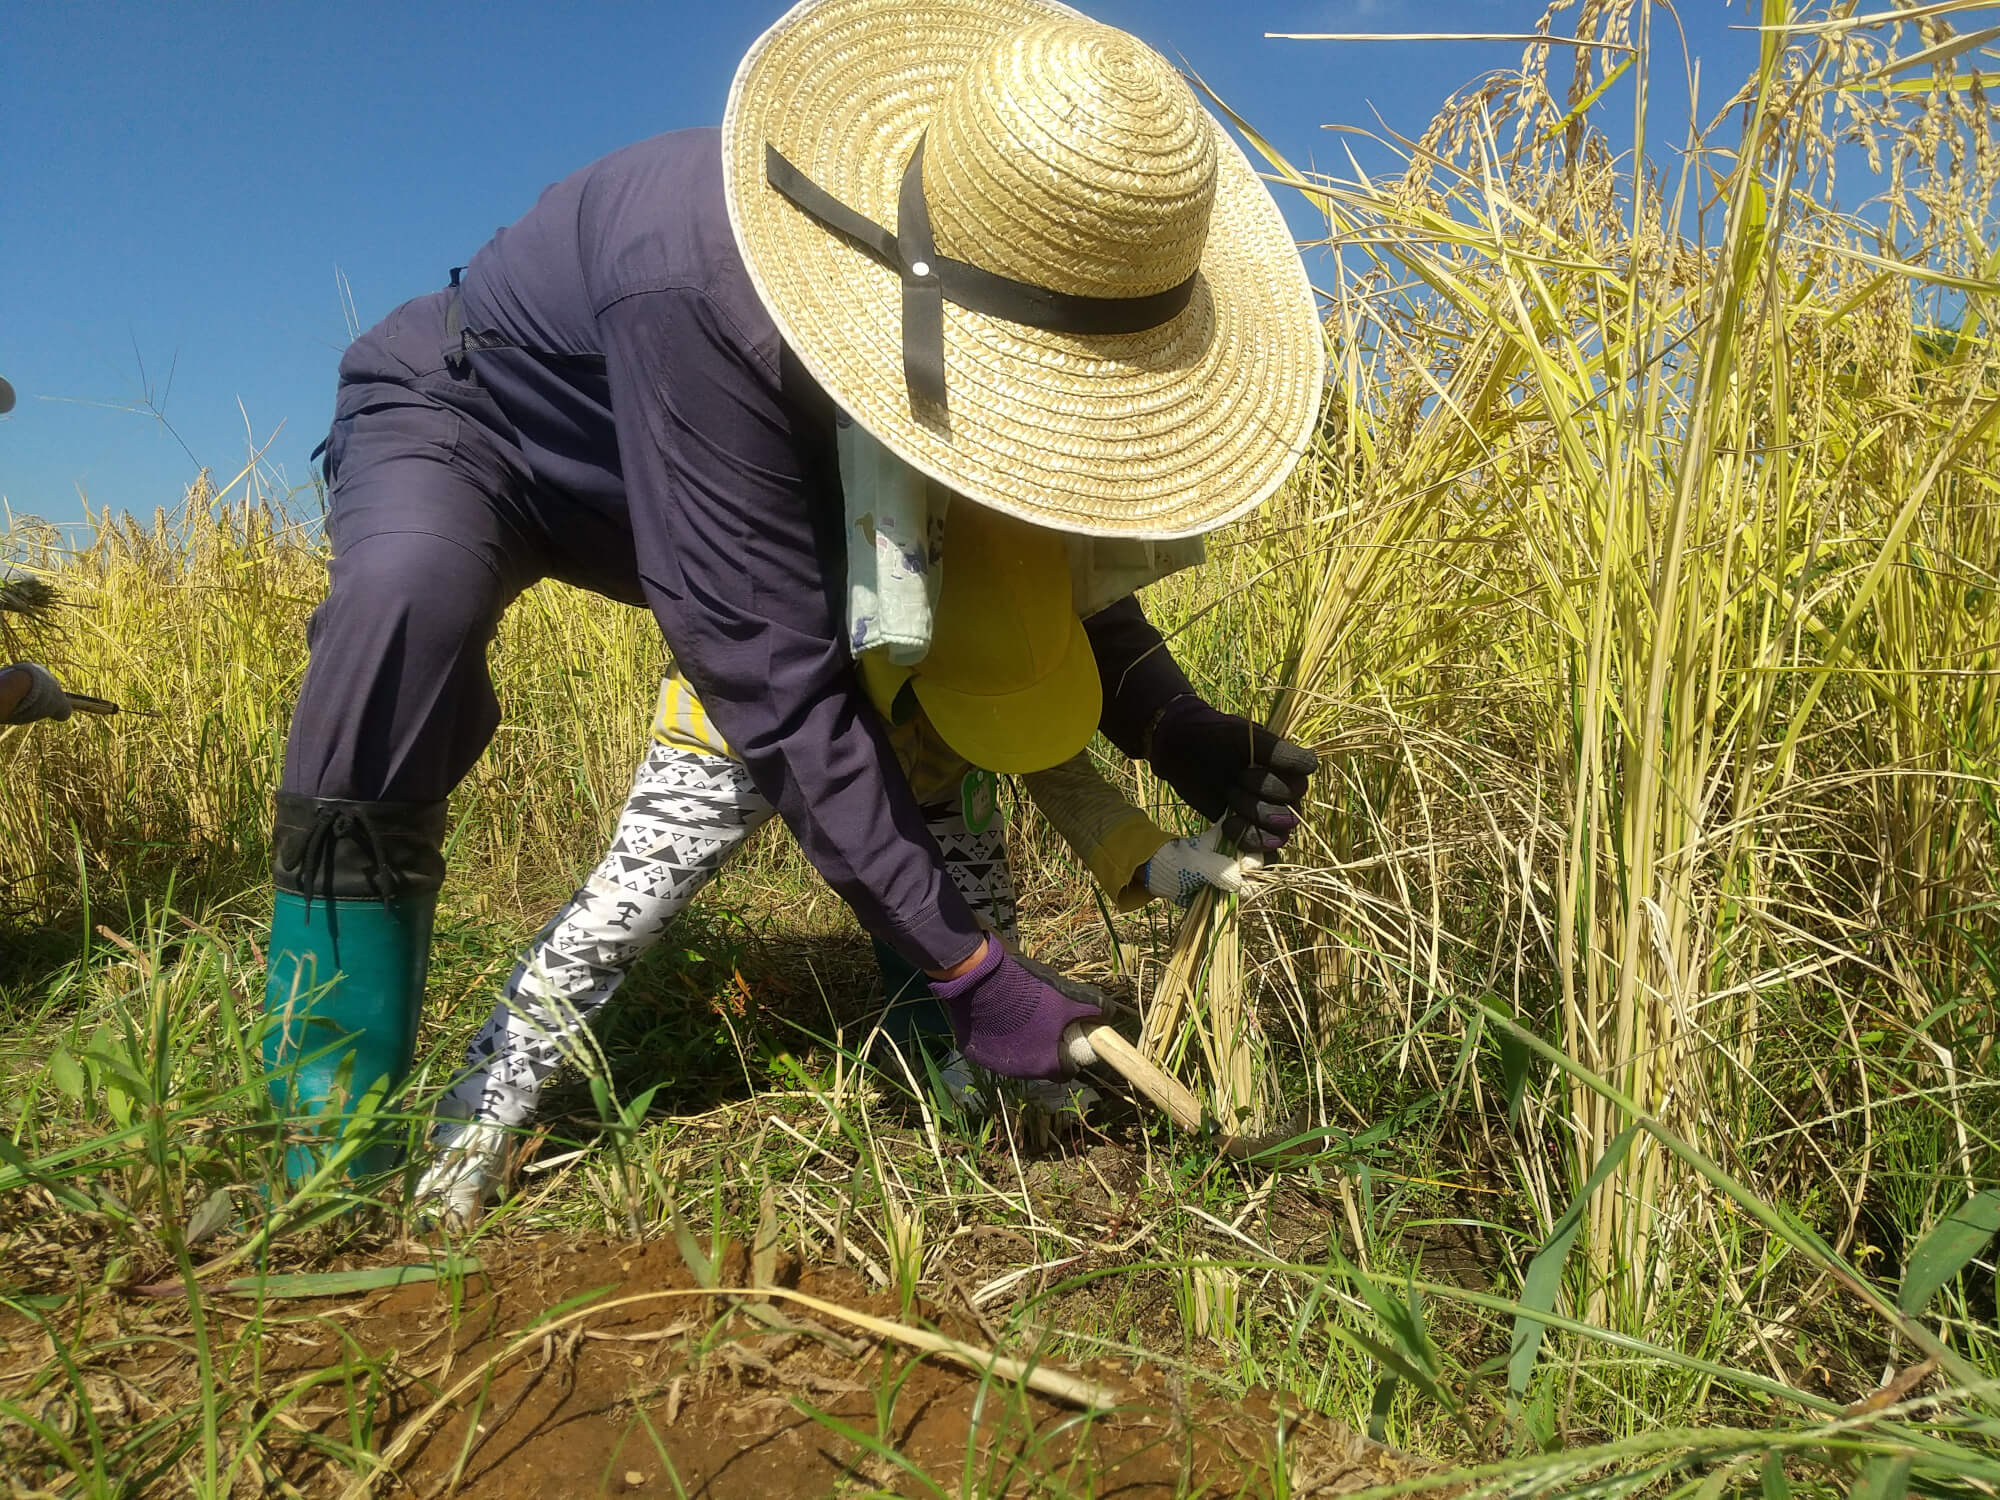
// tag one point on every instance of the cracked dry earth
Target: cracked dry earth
(687, 1395)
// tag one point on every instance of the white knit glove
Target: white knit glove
(1182, 868)
(45, 698)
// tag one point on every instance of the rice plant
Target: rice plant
(1687, 477)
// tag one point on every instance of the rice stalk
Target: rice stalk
(1667, 481)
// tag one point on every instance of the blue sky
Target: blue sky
(181, 184)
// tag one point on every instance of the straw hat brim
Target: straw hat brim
(1165, 433)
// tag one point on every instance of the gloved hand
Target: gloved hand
(1007, 1019)
(1222, 763)
(1181, 870)
(41, 697)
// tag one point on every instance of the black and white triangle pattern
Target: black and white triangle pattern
(976, 861)
(686, 815)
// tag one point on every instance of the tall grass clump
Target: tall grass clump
(196, 625)
(1644, 596)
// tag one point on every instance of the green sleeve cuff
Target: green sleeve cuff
(1121, 854)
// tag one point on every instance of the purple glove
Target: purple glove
(1222, 764)
(1006, 1019)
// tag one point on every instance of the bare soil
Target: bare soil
(694, 1395)
(711, 1396)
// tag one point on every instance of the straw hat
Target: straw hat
(1069, 180)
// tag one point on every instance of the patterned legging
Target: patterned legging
(687, 813)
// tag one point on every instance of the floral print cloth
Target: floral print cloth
(895, 547)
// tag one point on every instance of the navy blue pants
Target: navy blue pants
(435, 528)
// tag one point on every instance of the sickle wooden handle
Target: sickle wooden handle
(1098, 1043)
(1088, 1042)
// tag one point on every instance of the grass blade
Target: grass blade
(1885, 1477)
(346, 1283)
(1943, 1252)
(1544, 1275)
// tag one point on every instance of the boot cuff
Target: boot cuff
(331, 849)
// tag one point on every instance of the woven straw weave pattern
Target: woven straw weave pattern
(1072, 156)
(1069, 98)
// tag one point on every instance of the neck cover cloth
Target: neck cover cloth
(895, 547)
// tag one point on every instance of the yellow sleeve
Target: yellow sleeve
(934, 769)
(1111, 836)
(680, 719)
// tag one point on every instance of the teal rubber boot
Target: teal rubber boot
(356, 888)
(345, 989)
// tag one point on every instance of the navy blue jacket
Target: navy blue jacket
(617, 332)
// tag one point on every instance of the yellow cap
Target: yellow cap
(1009, 682)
